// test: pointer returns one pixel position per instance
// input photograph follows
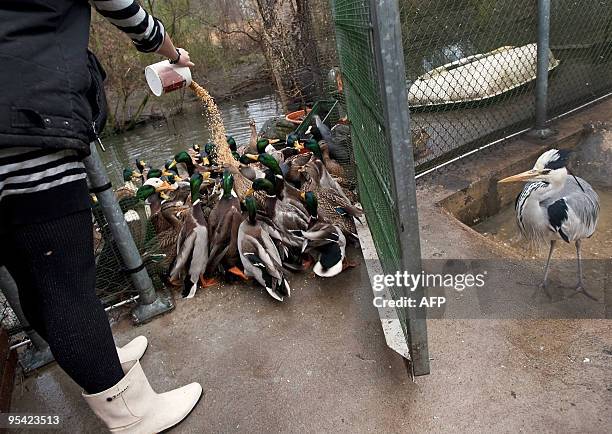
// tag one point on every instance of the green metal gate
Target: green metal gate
(368, 36)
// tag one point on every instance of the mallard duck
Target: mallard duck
(324, 241)
(231, 142)
(184, 165)
(320, 178)
(223, 223)
(295, 165)
(249, 170)
(142, 167)
(154, 174)
(192, 245)
(252, 146)
(321, 151)
(333, 207)
(324, 133)
(241, 183)
(284, 192)
(179, 190)
(332, 166)
(288, 219)
(194, 151)
(164, 216)
(128, 189)
(259, 255)
(210, 155)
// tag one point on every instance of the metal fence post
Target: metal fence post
(39, 354)
(389, 54)
(151, 304)
(541, 129)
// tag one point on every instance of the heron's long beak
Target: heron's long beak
(521, 177)
(172, 164)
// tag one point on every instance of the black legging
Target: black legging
(54, 268)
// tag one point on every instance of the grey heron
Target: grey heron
(555, 205)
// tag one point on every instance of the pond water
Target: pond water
(159, 141)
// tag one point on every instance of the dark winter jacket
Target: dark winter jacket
(50, 86)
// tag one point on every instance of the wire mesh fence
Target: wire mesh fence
(581, 38)
(471, 67)
(113, 283)
(370, 140)
(470, 70)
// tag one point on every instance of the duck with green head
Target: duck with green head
(128, 189)
(333, 206)
(284, 191)
(154, 173)
(192, 244)
(223, 223)
(264, 146)
(164, 216)
(184, 165)
(210, 154)
(313, 146)
(168, 169)
(289, 220)
(259, 255)
(324, 241)
(267, 161)
(231, 142)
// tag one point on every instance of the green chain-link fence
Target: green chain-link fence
(369, 139)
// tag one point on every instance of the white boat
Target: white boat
(478, 77)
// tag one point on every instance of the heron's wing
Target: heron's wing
(575, 211)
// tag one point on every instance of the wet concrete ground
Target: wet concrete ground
(319, 362)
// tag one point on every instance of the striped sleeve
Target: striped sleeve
(146, 31)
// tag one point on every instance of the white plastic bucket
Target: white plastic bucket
(163, 77)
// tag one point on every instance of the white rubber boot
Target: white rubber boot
(132, 406)
(133, 350)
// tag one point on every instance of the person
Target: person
(51, 107)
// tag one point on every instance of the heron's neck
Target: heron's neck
(555, 184)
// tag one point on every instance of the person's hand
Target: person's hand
(184, 59)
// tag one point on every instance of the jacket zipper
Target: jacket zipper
(93, 127)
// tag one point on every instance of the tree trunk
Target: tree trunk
(290, 50)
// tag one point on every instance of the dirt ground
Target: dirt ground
(319, 363)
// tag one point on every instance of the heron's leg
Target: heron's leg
(544, 284)
(580, 286)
